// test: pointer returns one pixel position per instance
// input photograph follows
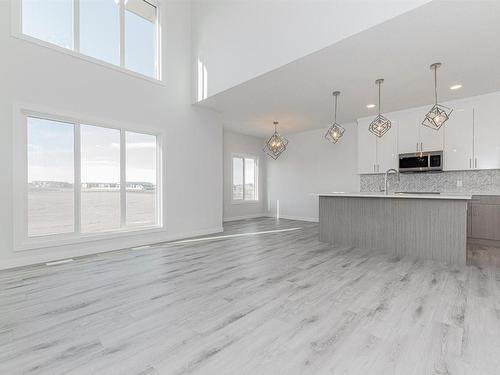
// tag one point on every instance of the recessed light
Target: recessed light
(456, 87)
(370, 106)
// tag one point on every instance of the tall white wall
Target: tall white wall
(311, 165)
(239, 40)
(193, 137)
(236, 143)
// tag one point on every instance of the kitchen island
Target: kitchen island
(426, 226)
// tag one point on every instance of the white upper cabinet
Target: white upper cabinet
(387, 149)
(413, 136)
(408, 137)
(487, 132)
(376, 155)
(470, 139)
(430, 139)
(367, 148)
(458, 134)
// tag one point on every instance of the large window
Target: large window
(51, 177)
(141, 179)
(244, 181)
(85, 179)
(100, 30)
(120, 32)
(100, 177)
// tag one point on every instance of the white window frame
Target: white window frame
(17, 31)
(20, 181)
(256, 161)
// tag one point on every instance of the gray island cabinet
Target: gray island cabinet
(430, 226)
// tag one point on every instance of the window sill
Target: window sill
(90, 59)
(42, 242)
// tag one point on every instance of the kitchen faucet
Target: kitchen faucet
(386, 179)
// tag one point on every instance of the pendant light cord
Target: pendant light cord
(379, 101)
(435, 85)
(335, 106)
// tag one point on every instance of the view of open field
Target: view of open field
(51, 211)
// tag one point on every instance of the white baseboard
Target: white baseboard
(244, 217)
(300, 218)
(44, 255)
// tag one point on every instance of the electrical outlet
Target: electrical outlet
(459, 183)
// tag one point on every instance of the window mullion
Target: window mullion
(243, 159)
(159, 182)
(77, 184)
(123, 180)
(76, 25)
(122, 33)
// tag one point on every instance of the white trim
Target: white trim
(121, 24)
(123, 179)
(43, 242)
(226, 236)
(160, 179)
(77, 183)
(300, 218)
(244, 217)
(16, 32)
(124, 243)
(20, 219)
(76, 25)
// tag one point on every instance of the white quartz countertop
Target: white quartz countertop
(456, 196)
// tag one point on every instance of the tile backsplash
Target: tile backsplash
(478, 182)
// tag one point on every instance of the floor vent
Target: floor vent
(56, 262)
(141, 247)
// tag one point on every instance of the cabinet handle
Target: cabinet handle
(417, 146)
(475, 163)
(470, 163)
(421, 146)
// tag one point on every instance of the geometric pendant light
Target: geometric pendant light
(380, 125)
(276, 144)
(438, 114)
(335, 131)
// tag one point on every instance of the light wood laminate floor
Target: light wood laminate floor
(271, 303)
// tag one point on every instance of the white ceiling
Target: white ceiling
(463, 35)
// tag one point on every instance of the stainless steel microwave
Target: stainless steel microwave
(421, 161)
